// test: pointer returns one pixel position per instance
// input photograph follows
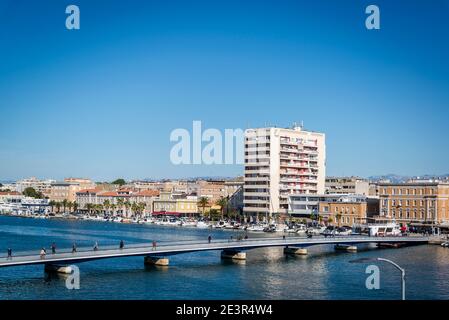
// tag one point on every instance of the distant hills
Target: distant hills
(398, 178)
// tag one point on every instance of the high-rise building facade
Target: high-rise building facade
(280, 162)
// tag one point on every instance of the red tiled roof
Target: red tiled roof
(108, 194)
(147, 193)
(10, 193)
(89, 191)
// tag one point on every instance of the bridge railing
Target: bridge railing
(214, 242)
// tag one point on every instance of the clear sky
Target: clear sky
(101, 101)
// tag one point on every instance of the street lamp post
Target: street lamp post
(402, 274)
(390, 262)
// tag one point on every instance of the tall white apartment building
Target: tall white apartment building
(280, 162)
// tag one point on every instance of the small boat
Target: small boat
(256, 228)
(219, 225)
(301, 229)
(202, 225)
(445, 244)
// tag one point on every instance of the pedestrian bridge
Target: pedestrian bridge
(231, 248)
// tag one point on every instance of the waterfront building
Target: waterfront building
(211, 189)
(343, 209)
(175, 204)
(11, 197)
(67, 189)
(415, 202)
(347, 185)
(281, 162)
(43, 186)
(121, 200)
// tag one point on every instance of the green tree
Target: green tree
(120, 204)
(127, 206)
(223, 203)
(58, 206)
(89, 208)
(52, 204)
(75, 206)
(70, 205)
(113, 208)
(213, 213)
(203, 203)
(338, 217)
(119, 182)
(134, 208)
(64, 204)
(31, 192)
(107, 205)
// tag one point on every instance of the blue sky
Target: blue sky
(101, 101)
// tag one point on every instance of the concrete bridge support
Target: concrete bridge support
(295, 251)
(345, 247)
(233, 254)
(156, 261)
(56, 268)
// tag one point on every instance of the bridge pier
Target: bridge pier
(345, 247)
(156, 261)
(57, 268)
(233, 254)
(295, 251)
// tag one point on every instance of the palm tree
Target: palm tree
(64, 203)
(338, 217)
(52, 204)
(141, 207)
(120, 203)
(70, 205)
(98, 208)
(89, 208)
(113, 207)
(127, 206)
(107, 205)
(75, 206)
(58, 206)
(223, 203)
(203, 203)
(134, 208)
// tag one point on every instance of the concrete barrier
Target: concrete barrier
(295, 250)
(156, 261)
(233, 254)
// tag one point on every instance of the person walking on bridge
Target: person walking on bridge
(209, 238)
(74, 248)
(53, 248)
(96, 246)
(122, 244)
(43, 253)
(9, 254)
(154, 245)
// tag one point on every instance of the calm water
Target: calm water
(266, 274)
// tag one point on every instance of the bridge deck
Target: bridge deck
(171, 248)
